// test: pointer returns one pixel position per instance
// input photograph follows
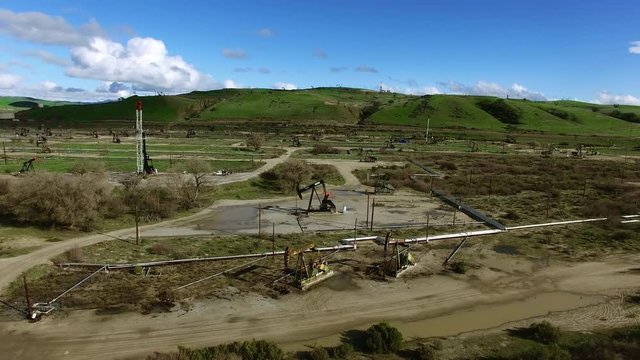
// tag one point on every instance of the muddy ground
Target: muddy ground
(502, 291)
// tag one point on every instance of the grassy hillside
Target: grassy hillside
(356, 106)
(16, 103)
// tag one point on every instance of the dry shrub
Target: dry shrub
(4, 187)
(291, 173)
(323, 149)
(86, 166)
(160, 249)
(75, 255)
(57, 200)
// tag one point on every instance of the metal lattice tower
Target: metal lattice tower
(139, 153)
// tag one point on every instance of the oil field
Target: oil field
(217, 226)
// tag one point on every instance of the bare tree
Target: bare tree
(293, 172)
(199, 169)
(255, 140)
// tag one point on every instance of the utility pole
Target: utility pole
(273, 241)
(547, 216)
(367, 222)
(259, 220)
(427, 234)
(26, 295)
(137, 230)
(355, 230)
(139, 136)
(373, 208)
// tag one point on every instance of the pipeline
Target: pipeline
(556, 223)
(192, 260)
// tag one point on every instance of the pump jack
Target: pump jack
(399, 261)
(148, 163)
(27, 166)
(326, 205)
(307, 274)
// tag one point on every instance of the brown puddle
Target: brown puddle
(493, 315)
(481, 317)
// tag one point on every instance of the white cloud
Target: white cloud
(51, 86)
(9, 81)
(484, 88)
(320, 54)
(607, 98)
(230, 84)
(411, 90)
(366, 68)
(264, 70)
(45, 29)
(234, 54)
(266, 32)
(635, 47)
(284, 86)
(112, 87)
(336, 69)
(47, 57)
(143, 62)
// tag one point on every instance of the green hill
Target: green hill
(357, 106)
(16, 103)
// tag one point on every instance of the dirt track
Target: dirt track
(417, 306)
(506, 289)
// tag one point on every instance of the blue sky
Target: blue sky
(95, 50)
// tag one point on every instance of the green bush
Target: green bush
(318, 353)
(382, 338)
(459, 267)
(544, 353)
(342, 351)
(425, 352)
(248, 350)
(544, 332)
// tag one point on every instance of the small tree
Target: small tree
(293, 172)
(199, 169)
(382, 338)
(255, 140)
(544, 332)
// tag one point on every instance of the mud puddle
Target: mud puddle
(493, 315)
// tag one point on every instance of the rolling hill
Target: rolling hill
(17, 103)
(356, 106)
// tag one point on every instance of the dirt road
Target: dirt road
(424, 306)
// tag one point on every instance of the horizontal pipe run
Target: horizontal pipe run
(555, 223)
(629, 221)
(192, 260)
(220, 273)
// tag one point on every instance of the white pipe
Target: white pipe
(454, 236)
(555, 223)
